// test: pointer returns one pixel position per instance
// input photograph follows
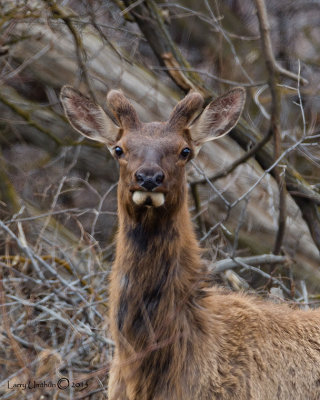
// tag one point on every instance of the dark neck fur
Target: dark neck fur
(159, 281)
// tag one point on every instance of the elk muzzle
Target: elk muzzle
(149, 180)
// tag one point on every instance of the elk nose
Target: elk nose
(149, 179)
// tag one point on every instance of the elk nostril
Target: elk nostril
(140, 178)
(159, 177)
(149, 180)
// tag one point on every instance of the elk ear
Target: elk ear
(185, 111)
(123, 110)
(219, 117)
(87, 117)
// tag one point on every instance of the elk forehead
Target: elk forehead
(154, 138)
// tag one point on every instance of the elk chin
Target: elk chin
(150, 199)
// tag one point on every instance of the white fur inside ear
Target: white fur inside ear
(140, 198)
(219, 117)
(87, 117)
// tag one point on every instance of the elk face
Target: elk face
(153, 156)
(152, 165)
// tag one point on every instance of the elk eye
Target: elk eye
(185, 152)
(118, 151)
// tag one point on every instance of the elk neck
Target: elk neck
(157, 271)
(157, 287)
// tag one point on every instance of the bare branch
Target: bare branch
(267, 46)
(249, 262)
(222, 265)
(275, 116)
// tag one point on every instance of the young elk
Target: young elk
(177, 338)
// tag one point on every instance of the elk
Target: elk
(176, 336)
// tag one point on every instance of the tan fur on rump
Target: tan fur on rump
(177, 338)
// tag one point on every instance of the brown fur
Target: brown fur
(176, 338)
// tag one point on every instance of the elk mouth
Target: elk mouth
(149, 199)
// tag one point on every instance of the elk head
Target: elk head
(152, 156)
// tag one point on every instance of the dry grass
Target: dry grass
(54, 328)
